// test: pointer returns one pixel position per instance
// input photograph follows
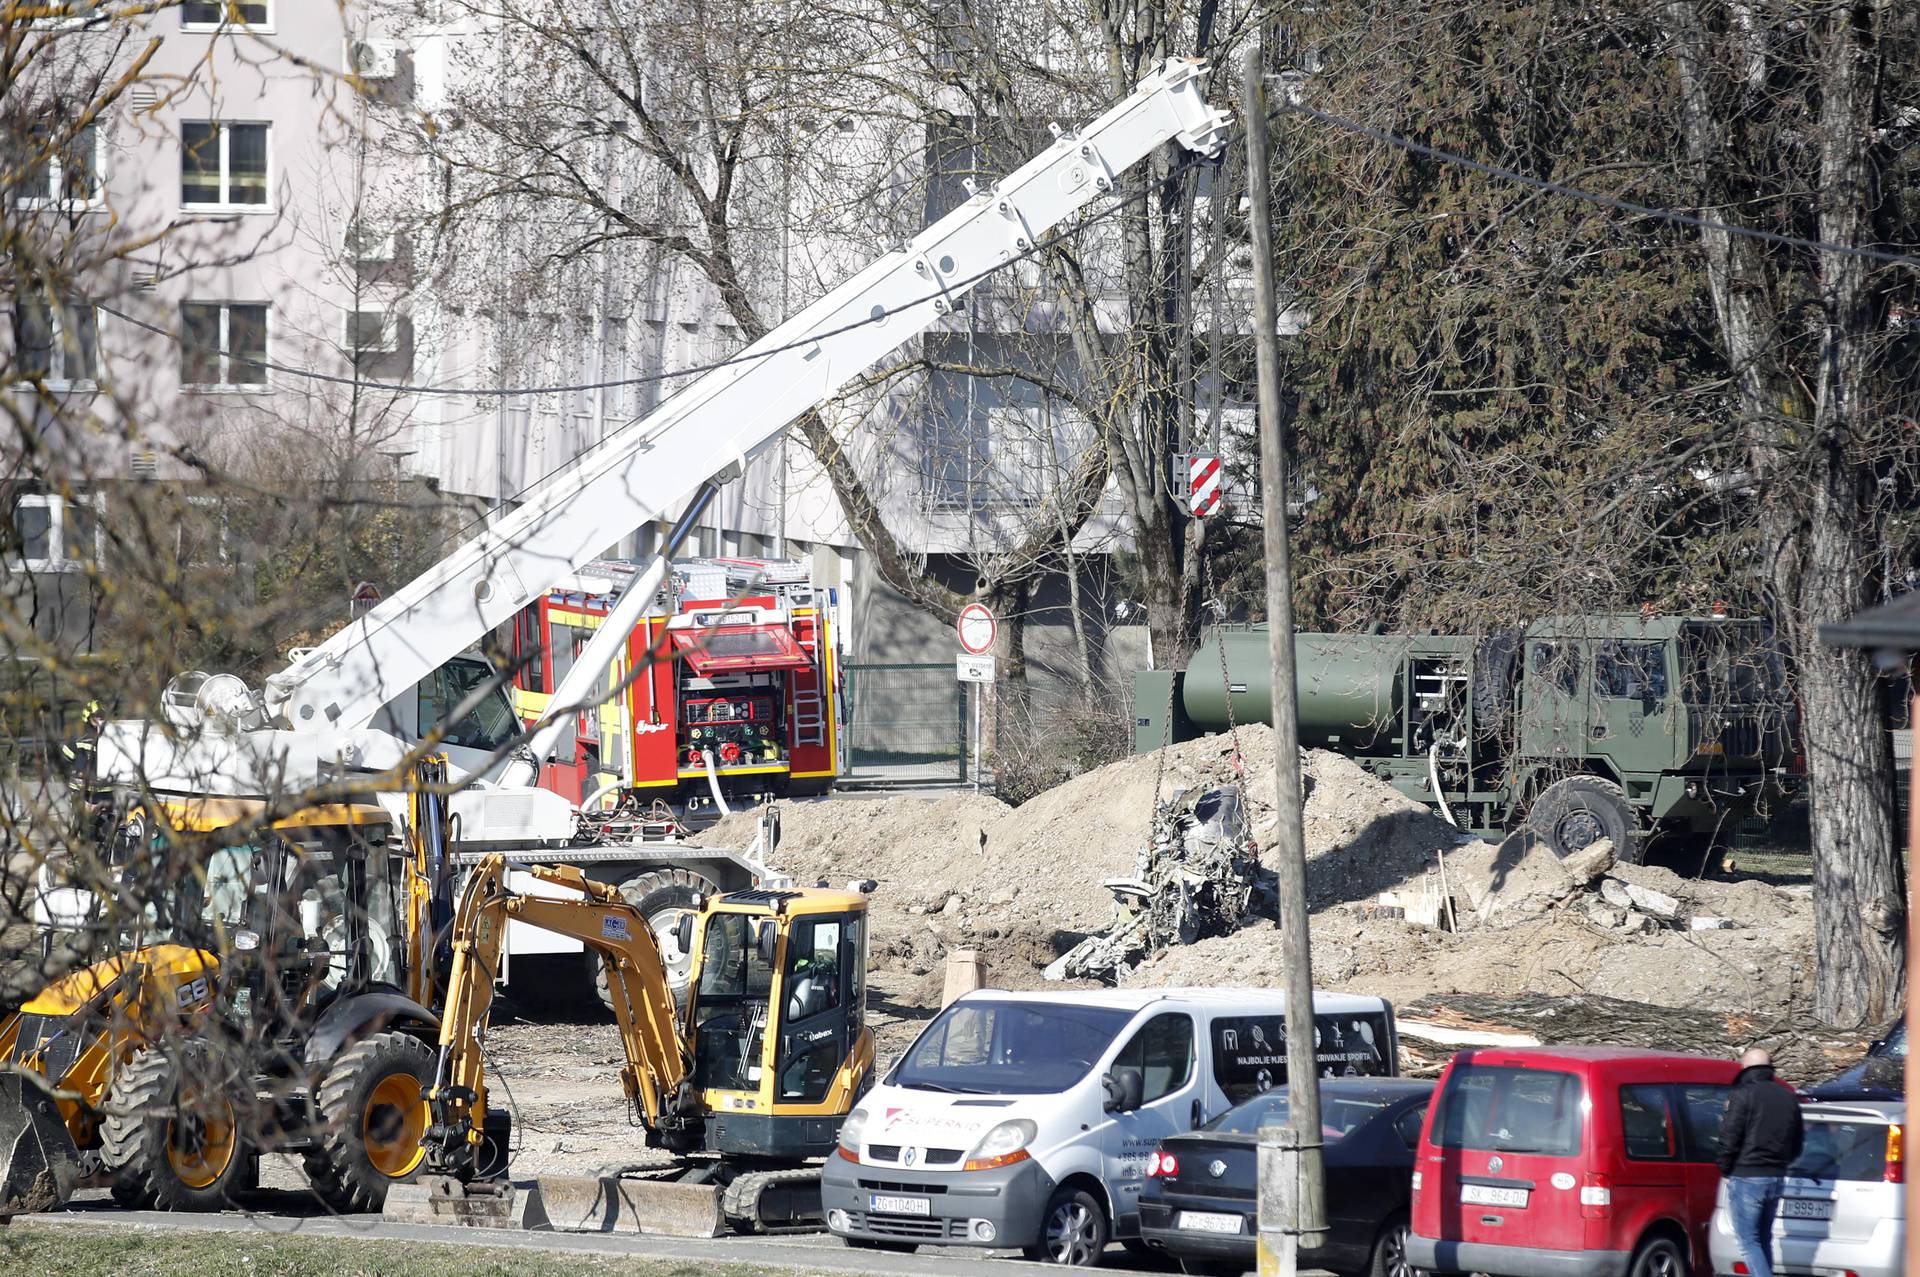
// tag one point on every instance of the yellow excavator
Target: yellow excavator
(269, 992)
(746, 1086)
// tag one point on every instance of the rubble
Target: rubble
(1198, 876)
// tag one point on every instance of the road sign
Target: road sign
(974, 669)
(976, 627)
(1203, 485)
(365, 596)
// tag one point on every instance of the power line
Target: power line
(746, 356)
(1592, 197)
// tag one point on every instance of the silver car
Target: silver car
(1844, 1209)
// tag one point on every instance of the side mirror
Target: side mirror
(1124, 1087)
(683, 933)
(769, 941)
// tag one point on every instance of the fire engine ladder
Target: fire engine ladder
(809, 707)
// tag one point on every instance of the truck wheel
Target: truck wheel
(1578, 811)
(1073, 1232)
(373, 1121)
(171, 1135)
(661, 897)
(1493, 671)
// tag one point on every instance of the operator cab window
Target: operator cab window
(489, 725)
(1630, 671)
(730, 1005)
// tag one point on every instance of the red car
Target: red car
(1570, 1162)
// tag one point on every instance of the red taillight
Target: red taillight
(1596, 1196)
(1740, 1269)
(1162, 1164)
(1896, 1163)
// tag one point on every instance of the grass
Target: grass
(138, 1252)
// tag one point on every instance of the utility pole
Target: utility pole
(1292, 1204)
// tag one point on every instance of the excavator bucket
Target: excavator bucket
(41, 1163)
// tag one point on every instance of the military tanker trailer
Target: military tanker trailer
(1624, 727)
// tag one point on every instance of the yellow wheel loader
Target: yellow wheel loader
(747, 1085)
(258, 1000)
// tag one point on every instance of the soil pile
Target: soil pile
(965, 870)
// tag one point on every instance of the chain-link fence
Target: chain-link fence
(906, 723)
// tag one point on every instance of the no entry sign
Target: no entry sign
(976, 628)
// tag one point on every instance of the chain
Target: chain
(1220, 641)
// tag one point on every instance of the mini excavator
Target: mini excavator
(744, 1087)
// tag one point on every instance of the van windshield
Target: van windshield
(1509, 1110)
(985, 1047)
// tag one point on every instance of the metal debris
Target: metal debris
(1199, 876)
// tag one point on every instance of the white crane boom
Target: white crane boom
(722, 420)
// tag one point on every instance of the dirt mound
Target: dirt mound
(1759, 972)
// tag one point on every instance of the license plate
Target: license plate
(1202, 1221)
(881, 1204)
(1805, 1208)
(1488, 1195)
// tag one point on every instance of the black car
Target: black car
(1880, 1075)
(1198, 1204)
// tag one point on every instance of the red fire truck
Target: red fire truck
(738, 690)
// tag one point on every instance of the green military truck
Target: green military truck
(1625, 727)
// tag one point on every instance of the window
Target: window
(370, 333)
(1340, 1116)
(1551, 664)
(223, 165)
(1630, 671)
(1020, 1048)
(213, 13)
(53, 532)
(1163, 1052)
(55, 343)
(813, 972)
(223, 344)
(1844, 1150)
(1646, 1124)
(67, 172)
(1504, 1109)
(488, 725)
(1407, 1125)
(1701, 1108)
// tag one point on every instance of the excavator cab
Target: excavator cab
(776, 1019)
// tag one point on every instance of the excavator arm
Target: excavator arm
(658, 1061)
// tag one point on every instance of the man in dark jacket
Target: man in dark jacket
(1759, 1137)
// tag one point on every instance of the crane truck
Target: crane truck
(355, 707)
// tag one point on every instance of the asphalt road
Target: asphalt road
(809, 1252)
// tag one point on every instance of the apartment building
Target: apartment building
(286, 149)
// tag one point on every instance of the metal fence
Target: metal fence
(906, 724)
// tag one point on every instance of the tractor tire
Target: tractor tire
(661, 897)
(1577, 811)
(1494, 666)
(373, 1121)
(170, 1145)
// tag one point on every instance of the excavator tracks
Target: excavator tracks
(774, 1201)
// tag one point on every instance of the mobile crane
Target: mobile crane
(746, 1088)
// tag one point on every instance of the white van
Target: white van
(1025, 1120)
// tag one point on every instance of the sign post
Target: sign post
(977, 629)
